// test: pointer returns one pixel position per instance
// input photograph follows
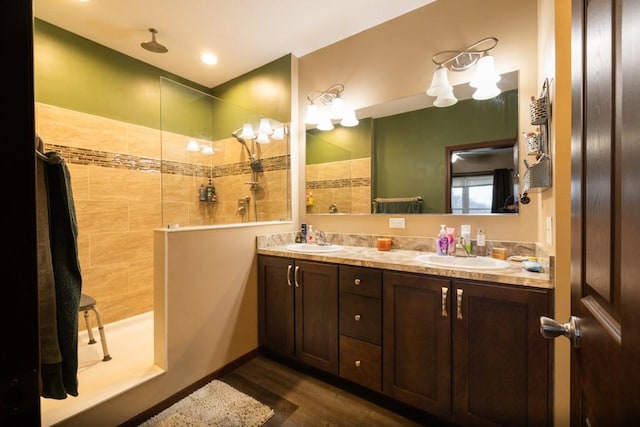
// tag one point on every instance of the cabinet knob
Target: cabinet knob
(357, 317)
(357, 281)
(357, 363)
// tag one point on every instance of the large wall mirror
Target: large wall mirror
(399, 158)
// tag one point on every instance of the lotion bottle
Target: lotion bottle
(311, 238)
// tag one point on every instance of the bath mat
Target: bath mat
(215, 404)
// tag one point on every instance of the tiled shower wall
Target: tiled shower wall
(121, 196)
(327, 183)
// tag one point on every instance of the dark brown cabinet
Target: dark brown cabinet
(466, 351)
(360, 325)
(298, 310)
(501, 362)
(417, 341)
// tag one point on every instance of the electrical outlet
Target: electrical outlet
(549, 231)
(396, 222)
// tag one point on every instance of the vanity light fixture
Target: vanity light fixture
(194, 147)
(485, 78)
(265, 133)
(328, 105)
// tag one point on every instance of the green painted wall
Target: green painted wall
(341, 143)
(77, 74)
(409, 148)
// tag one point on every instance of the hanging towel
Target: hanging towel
(408, 205)
(61, 378)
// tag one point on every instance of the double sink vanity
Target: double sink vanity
(457, 338)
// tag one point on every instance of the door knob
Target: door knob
(549, 328)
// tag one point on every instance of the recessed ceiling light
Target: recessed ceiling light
(209, 58)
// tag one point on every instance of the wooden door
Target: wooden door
(605, 198)
(416, 339)
(316, 312)
(275, 306)
(501, 364)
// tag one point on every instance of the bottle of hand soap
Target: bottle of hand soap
(442, 242)
(311, 238)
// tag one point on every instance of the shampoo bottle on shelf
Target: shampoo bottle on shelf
(442, 242)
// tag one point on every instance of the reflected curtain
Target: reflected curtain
(502, 190)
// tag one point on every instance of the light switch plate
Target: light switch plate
(396, 222)
(549, 230)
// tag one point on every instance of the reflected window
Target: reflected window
(471, 194)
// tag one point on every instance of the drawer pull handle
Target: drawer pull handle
(357, 281)
(445, 291)
(357, 363)
(357, 317)
(459, 302)
(289, 275)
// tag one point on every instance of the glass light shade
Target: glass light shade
(263, 138)
(247, 131)
(440, 83)
(192, 145)
(278, 133)
(445, 99)
(487, 91)
(265, 127)
(313, 115)
(207, 149)
(324, 123)
(337, 108)
(485, 72)
(349, 118)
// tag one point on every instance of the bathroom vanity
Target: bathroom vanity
(460, 344)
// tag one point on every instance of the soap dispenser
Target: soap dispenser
(311, 238)
(442, 242)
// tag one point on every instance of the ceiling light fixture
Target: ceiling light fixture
(484, 80)
(328, 105)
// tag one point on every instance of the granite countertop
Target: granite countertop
(405, 260)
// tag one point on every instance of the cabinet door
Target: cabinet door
(500, 360)
(316, 313)
(275, 305)
(417, 341)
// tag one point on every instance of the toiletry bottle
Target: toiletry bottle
(465, 232)
(203, 193)
(442, 242)
(303, 231)
(311, 238)
(451, 236)
(211, 192)
(481, 244)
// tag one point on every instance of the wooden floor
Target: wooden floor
(303, 399)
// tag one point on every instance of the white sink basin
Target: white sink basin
(313, 248)
(473, 263)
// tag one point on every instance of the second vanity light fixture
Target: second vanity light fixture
(485, 78)
(328, 105)
(264, 134)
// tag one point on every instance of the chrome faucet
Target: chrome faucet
(461, 248)
(321, 239)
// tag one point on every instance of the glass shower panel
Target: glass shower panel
(213, 173)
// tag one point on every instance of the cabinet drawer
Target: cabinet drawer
(361, 317)
(361, 281)
(361, 363)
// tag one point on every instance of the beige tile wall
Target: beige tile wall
(327, 183)
(120, 196)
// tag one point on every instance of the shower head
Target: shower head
(153, 45)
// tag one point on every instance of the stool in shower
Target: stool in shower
(88, 303)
